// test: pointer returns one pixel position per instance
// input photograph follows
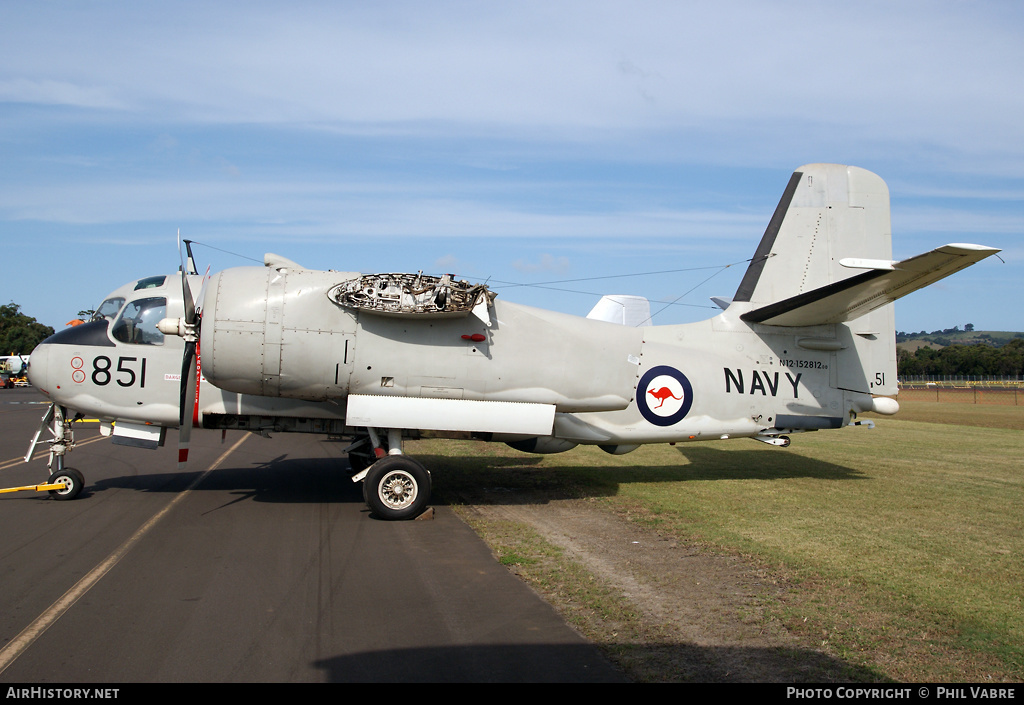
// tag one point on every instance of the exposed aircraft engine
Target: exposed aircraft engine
(410, 294)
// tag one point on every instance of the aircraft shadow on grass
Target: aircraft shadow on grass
(512, 480)
(526, 479)
(540, 663)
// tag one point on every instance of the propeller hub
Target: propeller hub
(179, 327)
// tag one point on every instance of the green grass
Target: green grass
(904, 545)
(923, 408)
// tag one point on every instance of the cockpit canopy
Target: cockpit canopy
(114, 301)
(108, 309)
(137, 323)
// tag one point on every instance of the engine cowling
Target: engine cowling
(273, 332)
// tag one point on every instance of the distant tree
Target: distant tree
(977, 359)
(19, 333)
(969, 327)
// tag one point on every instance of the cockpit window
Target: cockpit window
(137, 323)
(109, 308)
(150, 283)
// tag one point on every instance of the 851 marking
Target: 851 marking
(129, 371)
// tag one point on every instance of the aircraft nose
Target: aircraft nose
(38, 368)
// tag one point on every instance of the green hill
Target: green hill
(940, 339)
(961, 353)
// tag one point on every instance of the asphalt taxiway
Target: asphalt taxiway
(260, 563)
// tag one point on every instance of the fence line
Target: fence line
(1005, 396)
(913, 381)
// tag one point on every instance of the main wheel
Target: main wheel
(73, 484)
(397, 487)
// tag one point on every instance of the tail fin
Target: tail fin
(828, 212)
(826, 258)
(827, 254)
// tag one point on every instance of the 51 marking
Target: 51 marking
(129, 371)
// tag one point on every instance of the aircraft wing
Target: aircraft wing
(883, 283)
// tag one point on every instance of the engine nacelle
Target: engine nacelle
(273, 332)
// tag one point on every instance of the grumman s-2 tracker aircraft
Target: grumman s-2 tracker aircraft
(806, 343)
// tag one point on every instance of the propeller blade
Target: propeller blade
(189, 264)
(190, 307)
(186, 291)
(189, 362)
(202, 294)
(187, 402)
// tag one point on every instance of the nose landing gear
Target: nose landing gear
(64, 483)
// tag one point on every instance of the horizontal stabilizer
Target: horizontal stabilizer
(860, 294)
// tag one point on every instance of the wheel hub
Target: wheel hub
(398, 490)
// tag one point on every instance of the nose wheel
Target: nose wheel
(72, 480)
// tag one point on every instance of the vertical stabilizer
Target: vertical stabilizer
(826, 260)
(828, 213)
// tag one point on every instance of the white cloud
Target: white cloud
(55, 92)
(909, 71)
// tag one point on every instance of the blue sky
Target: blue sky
(520, 143)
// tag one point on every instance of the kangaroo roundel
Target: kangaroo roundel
(664, 395)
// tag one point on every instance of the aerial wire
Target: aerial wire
(227, 252)
(501, 284)
(675, 302)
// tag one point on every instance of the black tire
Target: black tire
(397, 487)
(73, 481)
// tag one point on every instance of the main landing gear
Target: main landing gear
(395, 486)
